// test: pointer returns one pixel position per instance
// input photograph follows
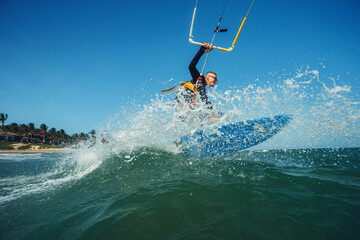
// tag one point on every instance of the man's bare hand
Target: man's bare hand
(208, 47)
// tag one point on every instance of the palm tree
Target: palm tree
(3, 118)
(44, 128)
(62, 136)
(23, 128)
(92, 133)
(31, 130)
(52, 134)
(14, 128)
(23, 131)
(75, 138)
(83, 136)
(52, 130)
(31, 126)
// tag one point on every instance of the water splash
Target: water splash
(325, 114)
(39, 173)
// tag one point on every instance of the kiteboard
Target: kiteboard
(232, 137)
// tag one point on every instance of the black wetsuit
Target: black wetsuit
(195, 74)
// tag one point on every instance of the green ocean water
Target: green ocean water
(153, 194)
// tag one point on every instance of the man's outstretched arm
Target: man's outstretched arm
(192, 67)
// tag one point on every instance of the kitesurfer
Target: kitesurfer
(190, 93)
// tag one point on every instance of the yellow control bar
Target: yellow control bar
(237, 35)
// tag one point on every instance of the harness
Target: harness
(192, 87)
(189, 85)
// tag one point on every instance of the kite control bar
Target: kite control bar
(220, 48)
(223, 30)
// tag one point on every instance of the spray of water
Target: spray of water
(324, 115)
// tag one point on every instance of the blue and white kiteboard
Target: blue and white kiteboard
(232, 137)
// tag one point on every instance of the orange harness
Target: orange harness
(188, 85)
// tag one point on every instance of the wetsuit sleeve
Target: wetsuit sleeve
(192, 67)
(204, 97)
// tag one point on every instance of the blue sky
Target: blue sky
(73, 64)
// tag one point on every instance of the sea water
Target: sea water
(134, 182)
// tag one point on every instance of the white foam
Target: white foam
(338, 89)
(70, 167)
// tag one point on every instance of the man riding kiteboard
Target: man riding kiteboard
(192, 92)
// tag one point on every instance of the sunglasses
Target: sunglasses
(214, 78)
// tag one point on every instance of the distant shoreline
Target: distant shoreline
(50, 150)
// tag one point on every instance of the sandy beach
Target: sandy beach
(35, 149)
